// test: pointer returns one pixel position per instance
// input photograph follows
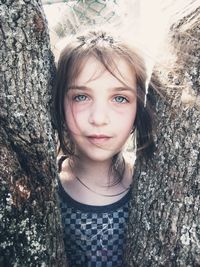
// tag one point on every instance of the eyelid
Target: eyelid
(75, 96)
(125, 99)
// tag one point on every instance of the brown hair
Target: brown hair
(105, 48)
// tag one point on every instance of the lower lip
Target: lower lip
(98, 140)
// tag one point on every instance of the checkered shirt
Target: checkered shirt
(94, 236)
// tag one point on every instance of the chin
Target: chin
(100, 157)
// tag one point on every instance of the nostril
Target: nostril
(99, 116)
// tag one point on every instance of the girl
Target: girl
(99, 103)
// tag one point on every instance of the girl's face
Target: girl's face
(100, 109)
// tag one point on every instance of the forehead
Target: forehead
(118, 70)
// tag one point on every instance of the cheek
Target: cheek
(133, 112)
(127, 116)
(129, 121)
(70, 118)
(133, 115)
(74, 119)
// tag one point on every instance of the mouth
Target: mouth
(98, 139)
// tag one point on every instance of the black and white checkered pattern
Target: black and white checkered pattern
(94, 235)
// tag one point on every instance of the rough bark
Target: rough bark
(30, 225)
(164, 227)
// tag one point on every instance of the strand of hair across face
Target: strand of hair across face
(100, 194)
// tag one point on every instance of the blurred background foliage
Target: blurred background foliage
(145, 23)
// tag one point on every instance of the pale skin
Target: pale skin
(100, 111)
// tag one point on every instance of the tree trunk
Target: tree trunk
(30, 223)
(164, 227)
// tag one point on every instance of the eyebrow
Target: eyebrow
(118, 89)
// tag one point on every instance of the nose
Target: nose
(99, 114)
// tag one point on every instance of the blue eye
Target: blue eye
(80, 98)
(120, 99)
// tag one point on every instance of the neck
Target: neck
(97, 173)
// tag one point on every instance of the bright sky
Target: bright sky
(146, 23)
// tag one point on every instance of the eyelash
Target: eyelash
(77, 99)
(124, 99)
